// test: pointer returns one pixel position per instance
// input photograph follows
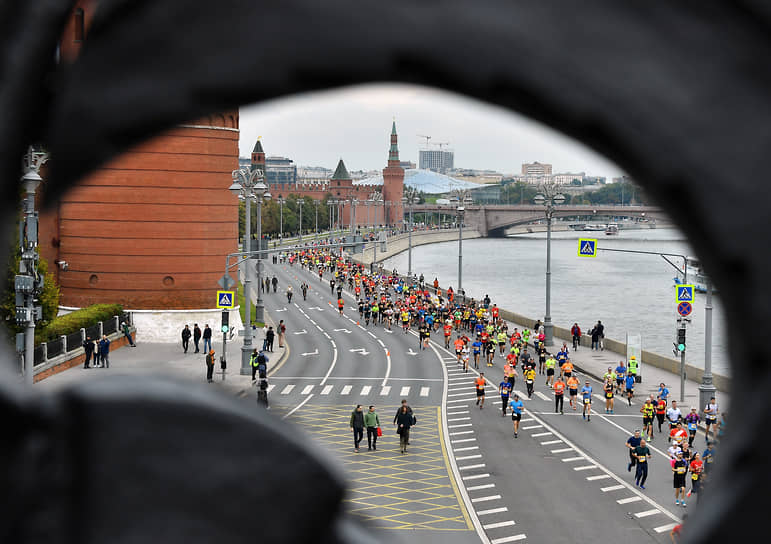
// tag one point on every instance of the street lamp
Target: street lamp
(281, 220)
(248, 184)
(300, 204)
(316, 232)
(331, 203)
(549, 196)
(354, 202)
(410, 197)
(460, 197)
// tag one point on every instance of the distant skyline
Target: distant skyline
(354, 123)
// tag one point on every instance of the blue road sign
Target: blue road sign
(587, 247)
(684, 293)
(226, 299)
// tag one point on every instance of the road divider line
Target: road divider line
(309, 397)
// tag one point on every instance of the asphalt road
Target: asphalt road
(563, 480)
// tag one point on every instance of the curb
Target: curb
(272, 369)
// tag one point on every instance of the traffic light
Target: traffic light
(681, 339)
(225, 321)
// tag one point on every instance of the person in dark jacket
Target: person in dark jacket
(269, 337)
(88, 347)
(126, 330)
(210, 366)
(575, 331)
(206, 338)
(104, 351)
(357, 426)
(404, 421)
(196, 336)
(186, 334)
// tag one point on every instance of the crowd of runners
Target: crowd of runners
(479, 336)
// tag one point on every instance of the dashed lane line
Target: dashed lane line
(307, 389)
(475, 477)
(467, 448)
(611, 488)
(561, 450)
(505, 539)
(628, 500)
(385, 390)
(486, 499)
(467, 457)
(585, 467)
(598, 477)
(647, 513)
(549, 442)
(572, 459)
(663, 528)
(498, 525)
(470, 467)
(479, 488)
(492, 511)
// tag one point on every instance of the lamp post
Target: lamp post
(281, 220)
(549, 197)
(248, 184)
(331, 205)
(706, 387)
(300, 204)
(460, 197)
(410, 197)
(354, 201)
(316, 205)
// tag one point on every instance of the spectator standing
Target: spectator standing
(281, 333)
(274, 281)
(88, 347)
(104, 351)
(404, 422)
(269, 337)
(575, 332)
(186, 334)
(196, 336)
(127, 333)
(206, 338)
(210, 366)
(600, 334)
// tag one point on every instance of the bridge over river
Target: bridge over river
(493, 220)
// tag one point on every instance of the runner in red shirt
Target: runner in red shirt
(447, 332)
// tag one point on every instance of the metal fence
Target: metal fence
(93, 332)
(74, 341)
(39, 354)
(109, 326)
(55, 348)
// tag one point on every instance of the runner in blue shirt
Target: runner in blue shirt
(504, 388)
(516, 412)
(586, 396)
(663, 392)
(620, 374)
(477, 346)
(629, 388)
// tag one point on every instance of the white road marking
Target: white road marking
(466, 393)
(424, 391)
(586, 467)
(461, 432)
(309, 397)
(467, 457)
(457, 413)
(485, 499)
(371, 334)
(346, 389)
(492, 511)
(612, 488)
(463, 440)
(508, 539)
(647, 513)
(476, 477)
(599, 397)
(270, 387)
(457, 425)
(571, 459)
(385, 390)
(532, 427)
(469, 467)
(478, 487)
(379, 341)
(542, 434)
(550, 442)
(366, 389)
(598, 477)
(307, 389)
(526, 419)
(327, 389)
(499, 524)
(542, 396)
(468, 448)
(667, 527)
(459, 419)
(628, 500)
(562, 450)
(287, 389)
(405, 391)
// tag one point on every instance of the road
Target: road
(465, 477)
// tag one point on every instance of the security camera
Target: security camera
(64, 265)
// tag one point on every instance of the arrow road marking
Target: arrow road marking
(281, 310)
(360, 351)
(315, 352)
(301, 332)
(316, 308)
(346, 331)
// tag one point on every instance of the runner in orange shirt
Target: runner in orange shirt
(573, 384)
(479, 383)
(340, 305)
(458, 347)
(559, 395)
(447, 332)
(567, 369)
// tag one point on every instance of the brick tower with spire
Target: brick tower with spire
(258, 157)
(393, 182)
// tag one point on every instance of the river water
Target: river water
(629, 293)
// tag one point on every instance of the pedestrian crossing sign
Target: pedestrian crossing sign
(684, 293)
(587, 247)
(226, 299)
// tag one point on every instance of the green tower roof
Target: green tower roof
(341, 173)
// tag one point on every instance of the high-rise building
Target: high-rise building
(437, 160)
(280, 170)
(536, 172)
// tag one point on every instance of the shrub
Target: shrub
(79, 319)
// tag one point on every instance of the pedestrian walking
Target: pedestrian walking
(274, 281)
(357, 426)
(127, 333)
(104, 351)
(372, 423)
(206, 338)
(186, 334)
(266, 289)
(196, 336)
(600, 334)
(281, 333)
(405, 419)
(88, 348)
(210, 366)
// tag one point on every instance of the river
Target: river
(630, 293)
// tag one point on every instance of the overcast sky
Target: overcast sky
(354, 124)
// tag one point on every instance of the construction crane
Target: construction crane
(426, 137)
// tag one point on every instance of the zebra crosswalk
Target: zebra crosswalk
(353, 390)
